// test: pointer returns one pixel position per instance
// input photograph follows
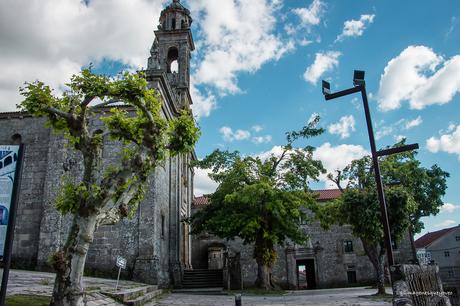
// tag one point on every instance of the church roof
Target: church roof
(429, 238)
(176, 5)
(323, 195)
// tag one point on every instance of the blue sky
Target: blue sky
(257, 70)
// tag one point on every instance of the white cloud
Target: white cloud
(337, 158)
(413, 123)
(449, 143)
(311, 15)
(446, 223)
(355, 27)
(52, 39)
(257, 128)
(229, 135)
(414, 76)
(344, 127)
(384, 131)
(398, 138)
(202, 183)
(323, 63)
(262, 139)
(202, 105)
(449, 207)
(236, 36)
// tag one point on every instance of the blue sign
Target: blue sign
(8, 161)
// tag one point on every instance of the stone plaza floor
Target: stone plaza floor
(324, 297)
(41, 283)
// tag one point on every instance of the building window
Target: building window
(446, 254)
(457, 238)
(451, 273)
(162, 226)
(394, 245)
(348, 246)
(351, 275)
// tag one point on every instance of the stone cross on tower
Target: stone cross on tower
(171, 50)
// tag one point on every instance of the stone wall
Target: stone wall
(150, 241)
(324, 247)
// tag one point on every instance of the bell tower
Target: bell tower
(172, 48)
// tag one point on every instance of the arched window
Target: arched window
(173, 64)
(173, 26)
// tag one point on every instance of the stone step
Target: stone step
(141, 300)
(125, 295)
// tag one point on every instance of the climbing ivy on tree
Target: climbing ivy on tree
(104, 194)
(261, 200)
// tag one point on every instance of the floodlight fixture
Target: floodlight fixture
(326, 88)
(358, 78)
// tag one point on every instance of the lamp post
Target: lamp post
(360, 86)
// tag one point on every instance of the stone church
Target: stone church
(333, 258)
(155, 242)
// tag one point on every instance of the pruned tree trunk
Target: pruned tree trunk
(263, 280)
(70, 263)
(377, 259)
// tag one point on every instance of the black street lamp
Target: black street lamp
(360, 86)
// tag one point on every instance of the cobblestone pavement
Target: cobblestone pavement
(41, 283)
(325, 297)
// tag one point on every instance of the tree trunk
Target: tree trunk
(70, 263)
(377, 259)
(263, 277)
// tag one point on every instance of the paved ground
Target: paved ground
(40, 283)
(325, 297)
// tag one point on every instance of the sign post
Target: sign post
(121, 264)
(11, 157)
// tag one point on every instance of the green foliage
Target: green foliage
(411, 192)
(147, 137)
(260, 200)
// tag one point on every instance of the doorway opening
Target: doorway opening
(306, 278)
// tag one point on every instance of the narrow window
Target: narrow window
(174, 23)
(162, 226)
(447, 254)
(348, 246)
(457, 238)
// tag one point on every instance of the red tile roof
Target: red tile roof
(429, 238)
(328, 194)
(201, 201)
(323, 195)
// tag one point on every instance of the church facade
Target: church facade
(155, 242)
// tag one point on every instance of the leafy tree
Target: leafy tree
(412, 191)
(103, 194)
(261, 200)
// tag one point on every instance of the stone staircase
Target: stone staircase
(202, 278)
(135, 296)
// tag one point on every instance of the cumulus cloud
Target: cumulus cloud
(449, 207)
(413, 123)
(202, 183)
(344, 127)
(52, 39)
(449, 143)
(203, 104)
(257, 128)
(229, 135)
(421, 77)
(353, 27)
(262, 139)
(236, 36)
(323, 63)
(311, 15)
(446, 223)
(337, 157)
